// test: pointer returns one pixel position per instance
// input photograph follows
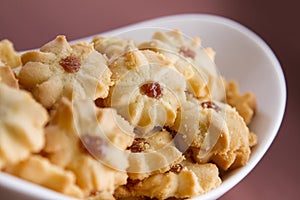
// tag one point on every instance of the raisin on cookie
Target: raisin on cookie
(190, 59)
(62, 69)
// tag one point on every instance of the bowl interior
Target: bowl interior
(241, 56)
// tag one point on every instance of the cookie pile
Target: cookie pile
(117, 119)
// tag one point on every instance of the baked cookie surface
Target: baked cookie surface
(22, 122)
(116, 119)
(7, 76)
(193, 61)
(8, 54)
(78, 139)
(147, 91)
(63, 69)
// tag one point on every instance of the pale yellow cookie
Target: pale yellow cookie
(184, 180)
(194, 62)
(187, 181)
(112, 46)
(40, 171)
(7, 76)
(220, 135)
(152, 155)
(200, 126)
(148, 91)
(22, 122)
(8, 55)
(60, 69)
(162, 186)
(252, 139)
(240, 141)
(164, 126)
(207, 174)
(90, 142)
(244, 103)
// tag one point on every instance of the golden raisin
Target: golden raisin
(138, 145)
(152, 89)
(176, 168)
(71, 64)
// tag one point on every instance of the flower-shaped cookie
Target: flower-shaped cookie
(8, 55)
(191, 60)
(148, 91)
(153, 155)
(7, 76)
(90, 142)
(244, 103)
(200, 126)
(221, 134)
(113, 46)
(207, 174)
(39, 170)
(60, 69)
(184, 180)
(237, 155)
(22, 122)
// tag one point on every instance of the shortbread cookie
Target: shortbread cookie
(191, 60)
(60, 69)
(240, 141)
(162, 186)
(152, 155)
(90, 142)
(8, 55)
(113, 46)
(186, 181)
(40, 171)
(200, 126)
(244, 103)
(148, 91)
(220, 135)
(165, 125)
(7, 76)
(252, 139)
(207, 174)
(22, 122)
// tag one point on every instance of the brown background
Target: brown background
(30, 24)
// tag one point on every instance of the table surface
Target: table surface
(29, 24)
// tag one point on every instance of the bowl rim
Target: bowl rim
(17, 184)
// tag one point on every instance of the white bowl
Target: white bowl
(241, 55)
